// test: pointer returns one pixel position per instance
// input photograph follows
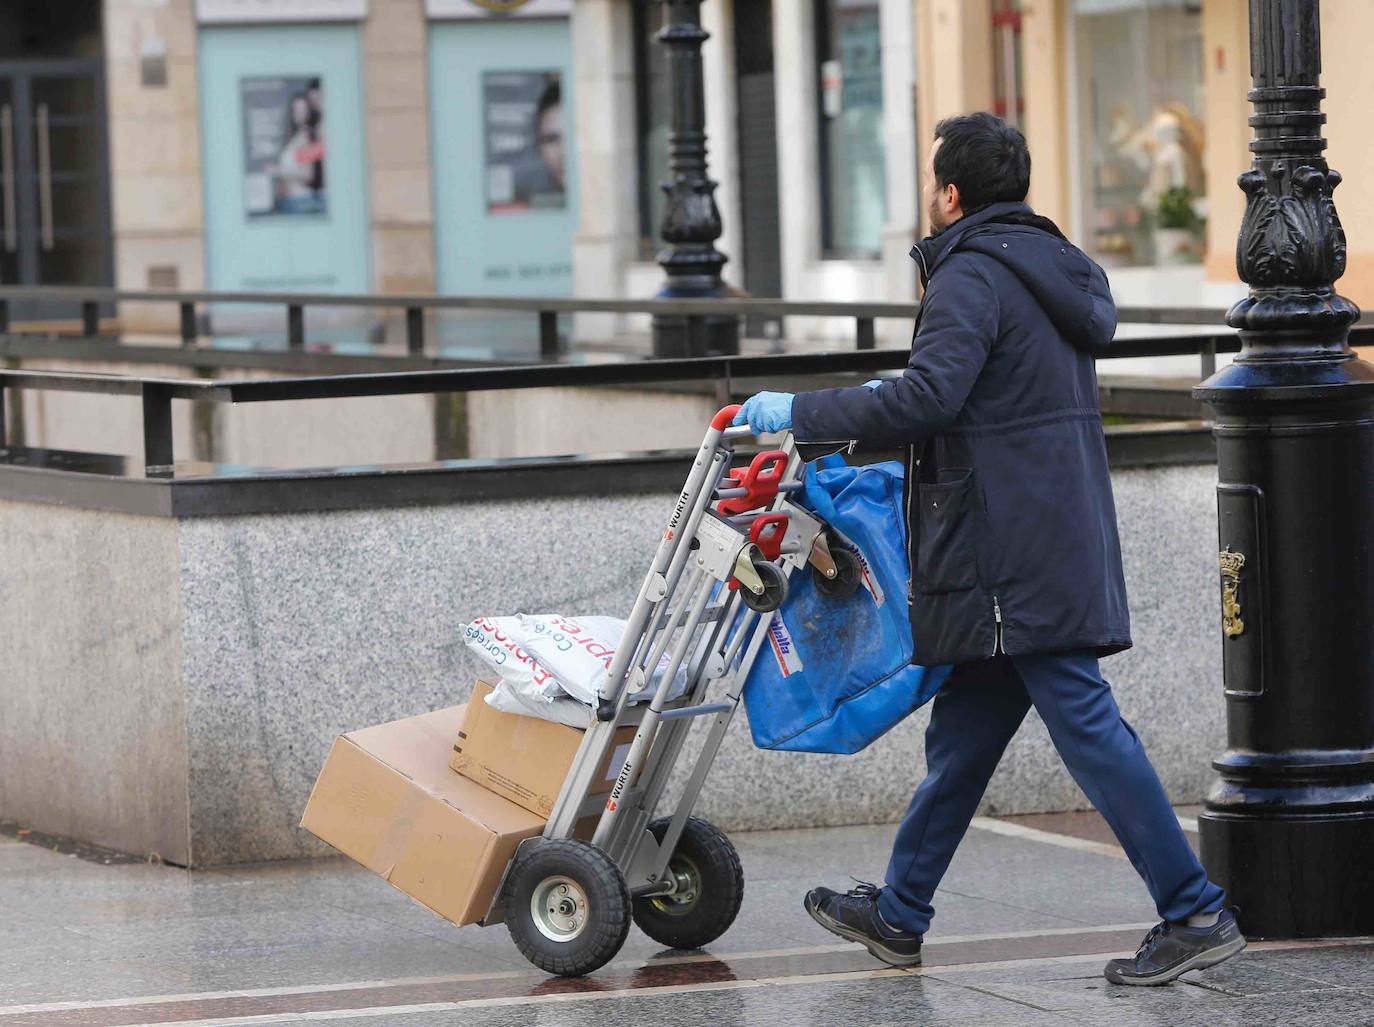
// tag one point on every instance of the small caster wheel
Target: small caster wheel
(774, 589)
(847, 574)
(708, 889)
(567, 907)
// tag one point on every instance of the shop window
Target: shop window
(1141, 134)
(652, 103)
(853, 171)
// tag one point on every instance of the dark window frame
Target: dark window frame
(823, 36)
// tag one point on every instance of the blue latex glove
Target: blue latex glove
(873, 384)
(766, 412)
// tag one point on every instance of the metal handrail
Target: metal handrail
(90, 300)
(519, 304)
(534, 376)
(157, 393)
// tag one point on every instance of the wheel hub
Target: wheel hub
(559, 907)
(686, 881)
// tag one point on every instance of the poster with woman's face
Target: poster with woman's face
(283, 146)
(523, 115)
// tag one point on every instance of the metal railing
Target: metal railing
(157, 394)
(86, 303)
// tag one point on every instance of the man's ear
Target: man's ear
(955, 200)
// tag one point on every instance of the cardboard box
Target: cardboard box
(387, 798)
(525, 759)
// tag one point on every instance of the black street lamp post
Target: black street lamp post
(1289, 827)
(691, 221)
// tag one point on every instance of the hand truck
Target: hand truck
(720, 570)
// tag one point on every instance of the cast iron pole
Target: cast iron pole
(691, 221)
(1289, 827)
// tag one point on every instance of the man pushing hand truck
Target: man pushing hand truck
(1016, 576)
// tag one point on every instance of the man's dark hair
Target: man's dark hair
(985, 157)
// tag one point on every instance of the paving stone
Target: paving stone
(71, 931)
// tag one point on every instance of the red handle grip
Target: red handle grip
(723, 418)
(760, 480)
(767, 532)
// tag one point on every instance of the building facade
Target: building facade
(509, 147)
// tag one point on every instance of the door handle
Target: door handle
(44, 178)
(7, 176)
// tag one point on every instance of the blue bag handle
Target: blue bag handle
(817, 497)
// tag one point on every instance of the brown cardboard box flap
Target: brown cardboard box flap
(419, 748)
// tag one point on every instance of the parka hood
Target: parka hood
(1070, 288)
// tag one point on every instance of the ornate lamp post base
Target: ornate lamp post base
(677, 336)
(1289, 827)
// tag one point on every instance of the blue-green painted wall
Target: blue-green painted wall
(482, 253)
(306, 252)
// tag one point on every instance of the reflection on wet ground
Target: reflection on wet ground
(1023, 927)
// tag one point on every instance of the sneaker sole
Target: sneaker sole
(1203, 960)
(849, 934)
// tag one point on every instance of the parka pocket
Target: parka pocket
(947, 558)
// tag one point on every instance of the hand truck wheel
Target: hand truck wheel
(774, 589)
(708, 888)
(847, 575)
(567, 907)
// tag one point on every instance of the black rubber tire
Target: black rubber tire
(774, 589)
(847, 575)
(607, 918)
(717, 866)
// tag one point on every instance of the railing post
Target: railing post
(415, 330)
(189, 334)
(4, 315)
(90, 318)
(157, 427)
(548, 333)
(1209, 358)
(4, 422)
(866, 337)
(696, 344)
(295, 326)
(725, 386)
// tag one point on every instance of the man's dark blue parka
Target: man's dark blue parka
(1010, 519)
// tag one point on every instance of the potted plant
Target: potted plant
(1177, 227)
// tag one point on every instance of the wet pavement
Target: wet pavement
(1031, 909)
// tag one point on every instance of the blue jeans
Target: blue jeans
(974, 717)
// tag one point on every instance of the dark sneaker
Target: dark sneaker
(1171, 950)
(854, 917)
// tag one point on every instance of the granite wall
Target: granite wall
(93, 738)
(292, 629)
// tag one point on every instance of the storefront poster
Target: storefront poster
(283, 146)
(525, 155)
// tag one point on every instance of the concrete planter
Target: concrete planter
(173, 685)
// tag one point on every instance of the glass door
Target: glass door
(54, 179)
(68, 189)
(9, 187)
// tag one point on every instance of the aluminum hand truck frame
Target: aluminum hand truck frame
(568, 897)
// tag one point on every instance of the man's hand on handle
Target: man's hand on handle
(766, 412)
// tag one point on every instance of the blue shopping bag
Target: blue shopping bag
(835, 674)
